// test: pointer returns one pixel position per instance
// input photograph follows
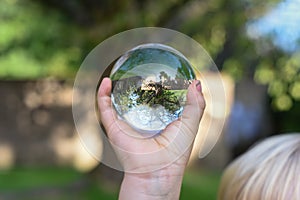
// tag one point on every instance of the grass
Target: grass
(64, 184)
(200, 185)
(23, 178)
(50, 183)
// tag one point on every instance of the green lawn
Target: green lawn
(200, 185)
(64, 184)
(50, 183)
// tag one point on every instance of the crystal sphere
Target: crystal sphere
(149, 86)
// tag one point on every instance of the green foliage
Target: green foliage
(127, 93)
(150, 55)
(283, 79)
(50, 38)
(36, 42)
(167, 98)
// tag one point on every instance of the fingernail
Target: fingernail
(198, 86)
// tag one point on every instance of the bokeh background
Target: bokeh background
(255, 44)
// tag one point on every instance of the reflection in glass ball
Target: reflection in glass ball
(149, 86)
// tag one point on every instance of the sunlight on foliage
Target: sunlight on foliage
(295, 90)
(283, 83)
(19, 64)
(233, 68)
(277, 88)
(35, 42)
(264, 75)
(50, 38)
(283, 102)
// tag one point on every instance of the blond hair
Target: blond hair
(269, 171)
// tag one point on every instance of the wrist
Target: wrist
(162, 184)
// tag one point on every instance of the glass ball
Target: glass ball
(149, 86)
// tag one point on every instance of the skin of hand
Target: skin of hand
(153, 166)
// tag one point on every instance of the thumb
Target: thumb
(116, 129)
(107, 114)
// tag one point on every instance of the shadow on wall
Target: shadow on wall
(36, 125)
(250, 118)
(214, 121)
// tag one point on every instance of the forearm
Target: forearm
(159, 185)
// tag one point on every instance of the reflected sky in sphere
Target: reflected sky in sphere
(149, 86)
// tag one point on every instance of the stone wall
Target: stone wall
(36, 125)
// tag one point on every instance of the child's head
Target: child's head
(269, 171)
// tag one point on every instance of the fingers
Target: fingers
(182, 132)
(194, 107)
(195, 104)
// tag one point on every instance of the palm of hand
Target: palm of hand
(139, 154)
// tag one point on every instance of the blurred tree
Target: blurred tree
(50, 37)
(36, 42)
